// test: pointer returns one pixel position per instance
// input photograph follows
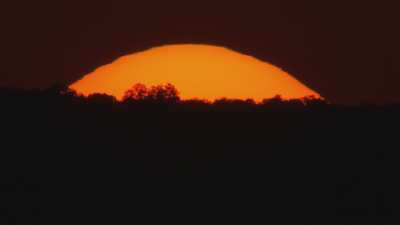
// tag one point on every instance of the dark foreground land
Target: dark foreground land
(93, 160)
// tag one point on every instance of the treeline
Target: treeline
(160, 94)
(157, 115)
(140, 96)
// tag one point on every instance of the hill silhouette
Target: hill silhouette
(303, 159)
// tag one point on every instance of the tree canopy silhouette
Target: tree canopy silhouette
(159, 93)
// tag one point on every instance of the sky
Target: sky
(348, 51)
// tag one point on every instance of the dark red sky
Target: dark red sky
(346, 50)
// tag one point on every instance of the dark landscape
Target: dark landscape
(307, 158)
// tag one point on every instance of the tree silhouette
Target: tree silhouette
(137, 92)
(158, 93)
(164, 93)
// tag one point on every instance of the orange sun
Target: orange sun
(197, 71)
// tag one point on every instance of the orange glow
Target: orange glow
(197, 71)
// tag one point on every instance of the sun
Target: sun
(197, 71)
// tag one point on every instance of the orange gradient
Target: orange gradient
(197, 71)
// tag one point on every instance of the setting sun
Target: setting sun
(197, 71)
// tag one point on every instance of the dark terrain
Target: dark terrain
(95, 160)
